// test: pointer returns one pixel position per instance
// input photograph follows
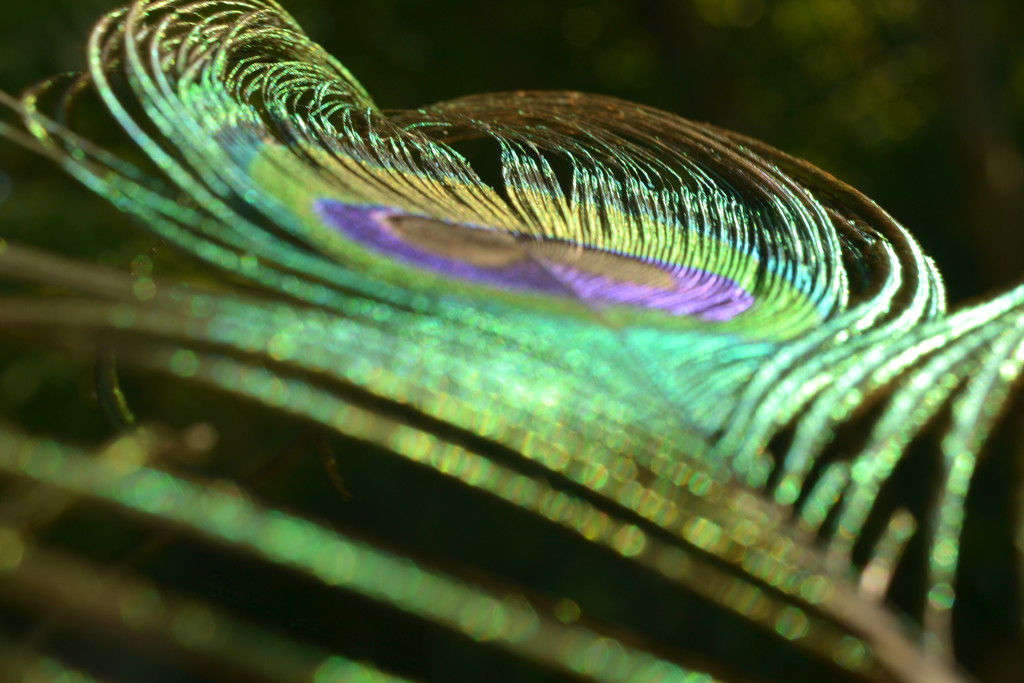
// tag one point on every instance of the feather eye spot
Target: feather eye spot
(527, 263)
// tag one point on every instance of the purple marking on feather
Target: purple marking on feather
(367, 225)
(693, 292)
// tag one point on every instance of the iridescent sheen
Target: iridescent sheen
(692, 360)
(552, 267)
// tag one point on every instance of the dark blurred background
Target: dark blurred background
(918, 103)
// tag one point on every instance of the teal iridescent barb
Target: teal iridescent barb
(308, 548)
(688, 354)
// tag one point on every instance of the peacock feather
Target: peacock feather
(520, 386)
